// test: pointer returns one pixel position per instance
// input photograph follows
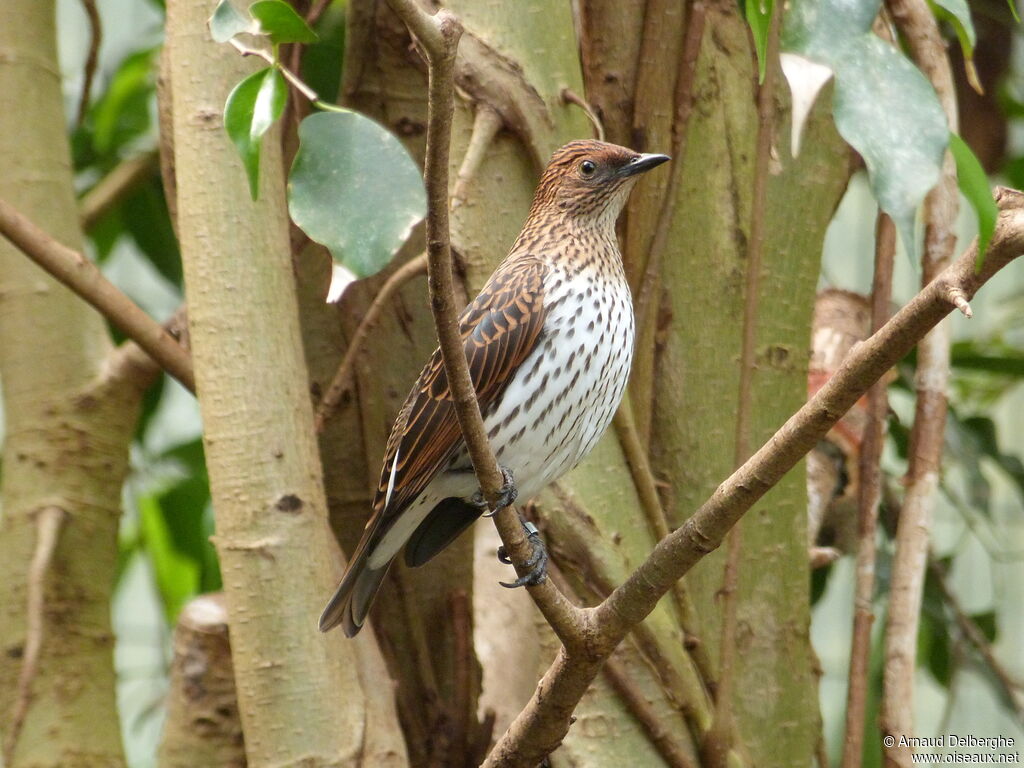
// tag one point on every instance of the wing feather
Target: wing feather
(500, 328)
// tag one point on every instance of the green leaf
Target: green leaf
(759, 17)
(821, 29)
(251, 108)
(320, 70)
(886, 109)
(281, 23)
(959, 15)
(269, 105)
(354, 189)
(227, 21)
(974, 186)
(883, 106)
(177, 575)
(123, 112)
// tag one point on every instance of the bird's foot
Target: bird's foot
(537, 564)
(506, 495)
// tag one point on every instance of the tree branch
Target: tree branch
(669, 747)
(916, 22)
(92, 59)
(657, 521)
(48, 524)
(84, 278)
(1012, 687)
(112, 188)
(439, 35)
(868, 497)
(341, 381)
(486, 124)
(541, 726)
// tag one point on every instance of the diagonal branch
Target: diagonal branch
(541, 726)
(84, 278)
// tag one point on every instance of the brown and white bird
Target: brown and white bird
(549, 342)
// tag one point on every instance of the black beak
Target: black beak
(642, 163)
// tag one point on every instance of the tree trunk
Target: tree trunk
(697, 371)
(69, 421)
(300, 695)
(202, 725)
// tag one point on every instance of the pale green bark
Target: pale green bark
(697, 376)
(300, 695)
(68, 426)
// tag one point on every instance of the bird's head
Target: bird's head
(587, 179)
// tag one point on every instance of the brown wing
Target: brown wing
(499, 328)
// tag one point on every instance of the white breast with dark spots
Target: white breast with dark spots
(563, 396)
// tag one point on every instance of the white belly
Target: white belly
(564, 395)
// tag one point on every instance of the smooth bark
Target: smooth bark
(300, 695)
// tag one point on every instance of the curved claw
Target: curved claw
(503, 556)
(507, 494)
(537, 564)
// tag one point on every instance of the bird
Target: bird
(549, 342)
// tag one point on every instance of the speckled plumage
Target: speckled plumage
(549, 342)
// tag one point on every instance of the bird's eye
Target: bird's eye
(588, 168)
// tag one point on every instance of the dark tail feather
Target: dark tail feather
(351, 602)
(440, 528)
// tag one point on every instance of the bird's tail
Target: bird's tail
(353, 598)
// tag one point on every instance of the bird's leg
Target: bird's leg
(537, 564)
(506, 495)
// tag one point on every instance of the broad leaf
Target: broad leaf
(227, 21)
(354, 189)
(974, 186)
(886, 109)
(821, 29)
(252, 107)
(281, 23)
(883, 106)
(122, 114)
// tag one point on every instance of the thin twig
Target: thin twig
(569, 96)
(92, 59)
(1011, 686)
(486, 124)
(342, 378)
(115, 186)
(918, 26)
(83, 277)
(48, 524)
(289, 75)
(723, 731)
(868, 498)
(668, 746)
(542, 725)
(439, 36)
(657, 521)
(128, 363)
(692, 704)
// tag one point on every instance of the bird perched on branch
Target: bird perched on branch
(549, 342)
